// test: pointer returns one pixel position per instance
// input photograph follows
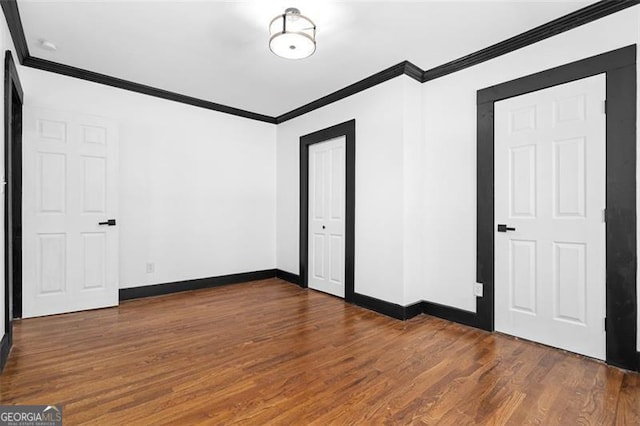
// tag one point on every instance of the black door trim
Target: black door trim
(13, 99)
(620, 68)
(347, 129)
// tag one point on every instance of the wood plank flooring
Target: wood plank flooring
(268, 352)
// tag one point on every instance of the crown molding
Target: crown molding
(575, 19)
(107, 80)
(413, 71)
(11, 13)
(387, 74)
(557, 26)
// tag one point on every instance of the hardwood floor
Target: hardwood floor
(268, 352)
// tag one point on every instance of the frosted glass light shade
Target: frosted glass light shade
(293, 36)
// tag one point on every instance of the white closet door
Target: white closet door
(550, 182)
(327, 184)
(70, 261)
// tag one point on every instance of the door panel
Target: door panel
(550, 177)
(337, 174)
(53, 264)
(318, 173)
(570, 283)
(94, 185)
(52, 130)
(522, 278)
(569, 178)
(522, 171)
(94, 255)
(317, 266)
(70, 184)
(327, 184)
(52, 188)
(337, 259)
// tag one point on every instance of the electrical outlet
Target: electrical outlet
(478, 289)
(151, 267)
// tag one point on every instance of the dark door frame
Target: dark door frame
(13, 101)
(347, 129)
(620, 68)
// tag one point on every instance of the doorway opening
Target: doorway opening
(550, 150)
(346, 131)
(620, 239)
(13, 101)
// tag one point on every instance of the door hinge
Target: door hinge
(605, 106)
(604, 215)
(605, 324)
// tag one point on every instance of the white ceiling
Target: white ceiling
(218, 50)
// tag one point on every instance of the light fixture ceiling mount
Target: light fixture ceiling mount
(293, 36)
(47, 45)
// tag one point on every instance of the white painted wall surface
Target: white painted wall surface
(379, 224)
(413, 190)
(449, 116)
(197, 187)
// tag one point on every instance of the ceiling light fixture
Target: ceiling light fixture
(293, 36)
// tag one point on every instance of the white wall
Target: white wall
(413, 189)
(449, 115)
(379, 221)
(197, 187)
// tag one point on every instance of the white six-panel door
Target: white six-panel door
(550, 272)
(327, 166)
(70, 262)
